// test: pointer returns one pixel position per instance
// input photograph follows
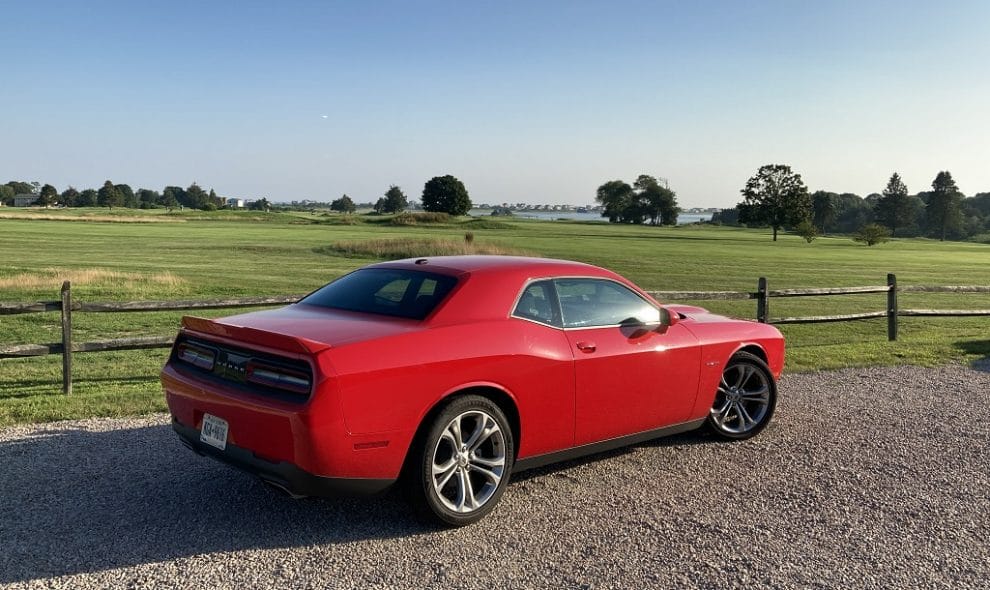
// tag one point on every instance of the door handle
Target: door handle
(586, 346)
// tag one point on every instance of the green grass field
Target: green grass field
(125, 256)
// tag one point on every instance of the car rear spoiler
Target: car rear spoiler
(252, 336)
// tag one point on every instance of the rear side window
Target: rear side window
(393, 292)
(538, 303)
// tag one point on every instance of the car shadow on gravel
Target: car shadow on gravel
(684, 439)
(77, 501)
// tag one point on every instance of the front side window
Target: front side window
(599, 302)
(393, 292)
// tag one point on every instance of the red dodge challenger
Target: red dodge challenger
(455, 372)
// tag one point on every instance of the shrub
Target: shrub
(415, 218)
(487, 223)
(872, 233)
(806, 230)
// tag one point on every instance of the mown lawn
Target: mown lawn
(200, 255)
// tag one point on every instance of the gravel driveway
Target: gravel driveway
(867, 478)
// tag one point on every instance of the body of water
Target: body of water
(682, 219)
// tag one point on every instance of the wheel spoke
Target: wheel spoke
(720, 413)
(445, 467)
(455, 432)
(465, 492)
(745, 372)
(486, 426)
(488, 474)
(744, 417)
(489, 462)
(440, 485)
(758, 395)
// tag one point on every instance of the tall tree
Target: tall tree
(127, 195)
(87, 198)
(148, 198)
(173, 196)
(48, 195)
(6, 194)
(395, 200)
(216, 200)
(944, 210)
(196, 197)
(70, 197)
(823, 209)
(894, 209)
(344, 204)
(109, 196)
(616, 196)
(851, 212)
(657, 201)
(261, 204)
(22, 188)
(446, 194)
(777, 197)
(666, 202)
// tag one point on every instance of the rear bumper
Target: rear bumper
(282, 474)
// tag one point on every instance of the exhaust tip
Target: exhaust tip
(282, 489)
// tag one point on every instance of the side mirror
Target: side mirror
(658, 320)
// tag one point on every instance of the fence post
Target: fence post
(762, 301)
(66, 338)
(891, 307)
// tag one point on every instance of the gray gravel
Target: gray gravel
(867, 478)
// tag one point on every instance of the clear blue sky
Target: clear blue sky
(532, 101)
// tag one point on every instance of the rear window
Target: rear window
(401, 293)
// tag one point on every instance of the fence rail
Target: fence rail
(762, 295)
(177, 305)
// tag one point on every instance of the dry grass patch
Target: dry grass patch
(94, 218)
(396, 248)
(52, 278)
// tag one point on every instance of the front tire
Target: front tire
(464, 461)
(745, 400)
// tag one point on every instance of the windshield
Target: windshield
(394, 292)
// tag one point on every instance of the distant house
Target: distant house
(235, 203)
(25, 200)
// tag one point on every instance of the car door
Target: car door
(631, 373)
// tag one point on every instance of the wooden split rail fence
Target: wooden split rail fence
(66, 306)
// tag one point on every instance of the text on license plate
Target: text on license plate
(214, 432)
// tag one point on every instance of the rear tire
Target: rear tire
(745, 400)
(462, 464)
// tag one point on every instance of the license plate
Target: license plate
(214, 432)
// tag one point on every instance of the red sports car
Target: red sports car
(452, 373)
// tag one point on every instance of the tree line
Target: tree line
(114, 195)
(776, 197)
(444, 194)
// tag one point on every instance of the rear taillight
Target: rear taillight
(277, 377)
(197, 356)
